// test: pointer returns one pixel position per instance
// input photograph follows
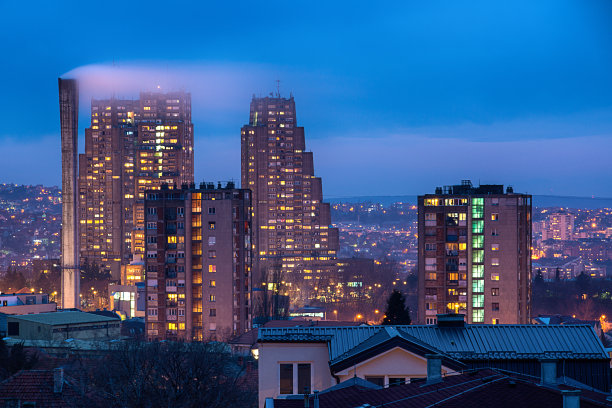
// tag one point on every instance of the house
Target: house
(485, 388)
(292, 359)
(44, 388)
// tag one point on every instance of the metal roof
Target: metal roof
(64, 317)
(469, 342)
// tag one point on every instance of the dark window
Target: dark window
(380, 381)
(213, 312)
(286, 378)
(495, 307)
(13, 328)
(303, 379)
(211, 210)
(495, 292)
(396, 381)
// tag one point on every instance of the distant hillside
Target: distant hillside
(538, 201)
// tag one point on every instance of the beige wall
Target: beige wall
(273, 354)
(396, 362)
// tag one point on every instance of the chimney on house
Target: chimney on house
(58, 380)
(434, 368)
(548, 371)
(571, 398)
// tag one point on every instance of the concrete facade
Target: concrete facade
(69, 116)
(475, 254)
(292, 233)
(198, 262)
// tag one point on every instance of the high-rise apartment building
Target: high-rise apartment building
(475, 254)
(131, 146)
(559, 226)
(292, 233)
(198, 262)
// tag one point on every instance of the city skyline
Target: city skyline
(400, 84)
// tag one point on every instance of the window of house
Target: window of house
(211, 225)
(430, 247)
(286, 378)
(494, 291)
(212, 240)
(212, 268)
(495, 276)
(213, 298)
(378, 380)
(494, 247)
(495, 307)
(396, 381)
(303, 371)
(212, 254)
(495, 262)
(212, 284)
(213, 312)
(494, 216)
(211, 210)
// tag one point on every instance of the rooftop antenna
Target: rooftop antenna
(278, 88)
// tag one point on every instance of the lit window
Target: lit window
(212, 268)
(495, 262)
(494, 216)
(212, 284)
(495, 276)
(494, 291)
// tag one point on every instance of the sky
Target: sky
(396, 98)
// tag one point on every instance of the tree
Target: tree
(171, 374)
(397, 311)
(583, 282)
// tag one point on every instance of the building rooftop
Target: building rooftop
(475, 342)
(467, 188)
(481, 387)
(65, 317)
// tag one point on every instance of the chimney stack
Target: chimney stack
(69, 121)
(571, 398)
(58, 380)
(548, 371)
(434, 368)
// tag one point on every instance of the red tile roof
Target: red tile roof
(482, 388)
(37, 386)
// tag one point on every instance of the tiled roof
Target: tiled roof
(482, 388)
(470, 342)
(37, 386)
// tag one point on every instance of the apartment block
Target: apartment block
(292, 234)
(130, 146)
(475, 254)
(198, 262)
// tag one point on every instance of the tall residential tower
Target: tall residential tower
(198, 262)
(475, 254)
(131, 146)
(292, 233)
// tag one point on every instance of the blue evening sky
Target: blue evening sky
(396, 97)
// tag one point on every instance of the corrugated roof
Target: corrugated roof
(469, 342)
(64, 317)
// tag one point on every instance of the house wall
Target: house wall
(396, 362)
(273, 354)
